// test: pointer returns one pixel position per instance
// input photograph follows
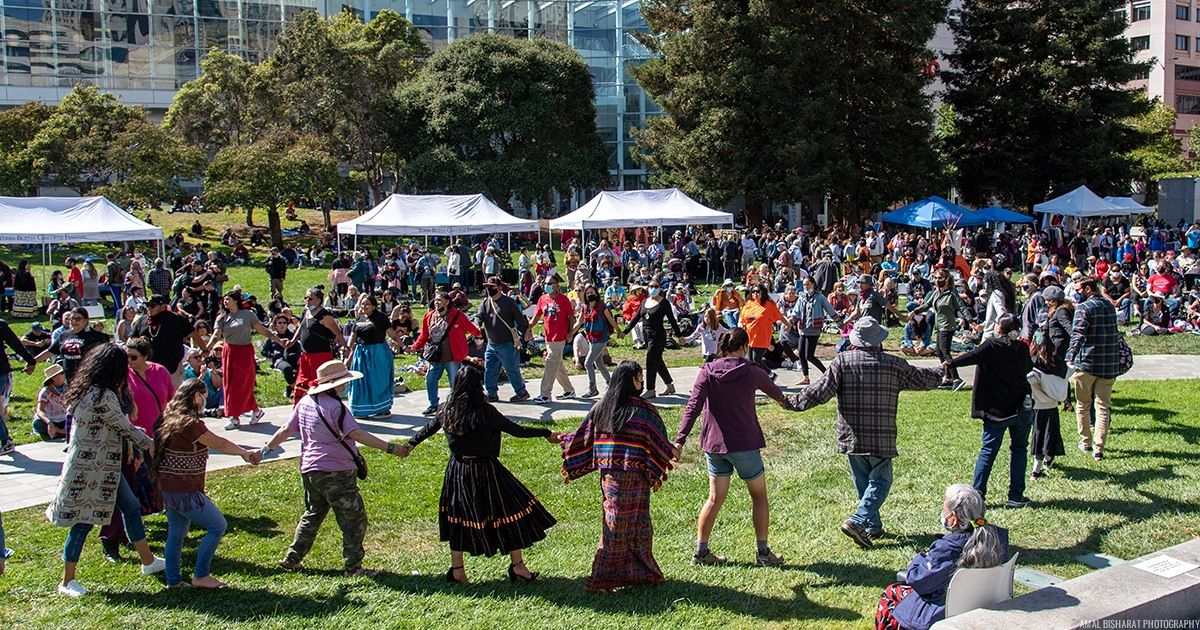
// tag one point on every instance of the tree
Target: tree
(1039, 92)
(1160, 156)
(764, 100)
(336, 79)
(93, 143)
(269, 173)
(18, 126)
(227, 105)
(501, 116)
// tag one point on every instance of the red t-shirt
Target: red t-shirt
(1161, 283)
(556, 313)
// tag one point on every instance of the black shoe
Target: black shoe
(429, 411)
(450, 579)
(1018, 503)
(522, 397)
(513, 576)
(112, 550)
(493, 399)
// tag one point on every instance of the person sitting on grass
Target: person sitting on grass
(50, 419)
(919, 600)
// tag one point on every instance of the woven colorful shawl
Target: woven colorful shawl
(642, 446)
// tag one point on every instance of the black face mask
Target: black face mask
(494, 292)
(593, 298)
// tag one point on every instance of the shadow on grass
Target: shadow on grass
(854, 574)
(233, 604)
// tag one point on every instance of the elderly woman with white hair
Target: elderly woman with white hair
(918, 600)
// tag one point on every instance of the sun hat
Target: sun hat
(331, 374)
(727, 283)
(867, 333)
(51, 371)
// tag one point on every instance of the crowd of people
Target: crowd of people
(1037, 313)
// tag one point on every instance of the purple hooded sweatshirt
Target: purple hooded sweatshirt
(725, 391)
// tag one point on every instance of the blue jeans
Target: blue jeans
(115, 291)
(506, 355)
(1018, 428)
(873, 480)
(434, 375)
(926, 338)
(209, 518)
(131, 514)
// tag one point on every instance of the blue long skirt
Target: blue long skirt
(372, 394)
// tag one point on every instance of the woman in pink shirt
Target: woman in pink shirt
(149, 384)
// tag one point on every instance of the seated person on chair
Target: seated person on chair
(918, 600)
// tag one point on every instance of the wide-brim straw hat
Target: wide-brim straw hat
(51, 371)
(331, 374)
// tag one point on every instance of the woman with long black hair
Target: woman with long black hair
(1001, 300)
(483, 509)
(91, 485)
(624, 438)
(24, 292)
(652, 313)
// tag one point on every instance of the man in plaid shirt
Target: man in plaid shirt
(1094, 354)
(867, 383)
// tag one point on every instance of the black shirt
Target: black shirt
(1000, 384)
(484, 441)
(373, 330)
(11, 339)
(167, 333)
(71, 347)
(653, 319)
(314, 336)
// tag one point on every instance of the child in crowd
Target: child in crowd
(708, 332)
(50, 419)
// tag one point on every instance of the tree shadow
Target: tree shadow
(853, 573)
(233, 604)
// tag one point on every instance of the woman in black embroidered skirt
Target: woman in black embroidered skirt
(483, 509)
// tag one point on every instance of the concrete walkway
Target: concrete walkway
(28, 476)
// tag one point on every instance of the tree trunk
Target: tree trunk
(249, 216)
(275, 226)
(375, 190)
(752, 214)
(326, 219)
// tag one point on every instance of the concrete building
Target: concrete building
(144, 50)
(1166, 33)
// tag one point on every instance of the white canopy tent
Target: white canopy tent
(435, 215)
(640, 208)
(1082, 203)
(1129, 204)
(49, 220)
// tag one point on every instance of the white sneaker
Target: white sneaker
(157, 566)
(256, 416)
(72, 589)
(231, 424)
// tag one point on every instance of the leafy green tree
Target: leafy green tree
(1039, 91)
(767, 101)
(18, 126)
(502, 116)
(228, 104)
(93, 143)
(271, 172)
(1161, 154)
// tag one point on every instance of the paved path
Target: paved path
(28, 476)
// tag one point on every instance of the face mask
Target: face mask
(729, 289)
(549, 288)
(654, 290)
(313, 309)
(493, 292)
(593, 298)
(809, 292)
(946, 525)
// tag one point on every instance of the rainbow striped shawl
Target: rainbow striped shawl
(641, 446)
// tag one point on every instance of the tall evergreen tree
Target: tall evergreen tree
(774, 101)
(1038, 88)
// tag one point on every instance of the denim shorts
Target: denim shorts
(749, 464)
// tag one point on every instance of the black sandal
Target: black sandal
(513, 576)
(450, 579)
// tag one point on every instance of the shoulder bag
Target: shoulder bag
(433, 349)
(517, 342)
(359, 462)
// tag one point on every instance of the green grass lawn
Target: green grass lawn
(1143, 497)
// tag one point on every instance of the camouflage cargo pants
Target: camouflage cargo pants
(337, 490)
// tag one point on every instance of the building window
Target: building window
(1140, 43)
(1187, 73)
(1187, 104)
(1141, 12)
(1181, 42)
(1183, 12)
(1141, 75)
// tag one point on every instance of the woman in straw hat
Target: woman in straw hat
(329, 464)
(483, 509)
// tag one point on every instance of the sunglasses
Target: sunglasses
(133, 356)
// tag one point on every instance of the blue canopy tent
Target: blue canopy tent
(996, 214)
(934, 212)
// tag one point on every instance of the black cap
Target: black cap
(158, 300)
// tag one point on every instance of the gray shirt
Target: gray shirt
(237, 327)
(498, 316)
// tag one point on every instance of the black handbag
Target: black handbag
(360, 463)
(432, 350)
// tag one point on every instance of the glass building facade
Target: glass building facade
(144, 50)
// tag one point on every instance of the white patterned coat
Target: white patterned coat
(87, 488)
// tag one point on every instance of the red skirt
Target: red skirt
(306, 373)
(238, 367)
(626, 554)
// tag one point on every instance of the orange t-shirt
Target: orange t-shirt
(759, 321)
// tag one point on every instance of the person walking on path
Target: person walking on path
(502, 320)
(1048, 379)
(1001, 398)
(947, 310)
(555, 313)
(732, 440)
(329, 465)
(624, 439)
(809, 316)
(168, 333)
(181, 444)
(596, 324)
(758, 319)
(236, 326)
(443, 343)
(373, 394)
(652, 313)
(867, 383)
(91, 484)
(318, 336)
(276, 268)
(1094, 355)
(483, 508)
